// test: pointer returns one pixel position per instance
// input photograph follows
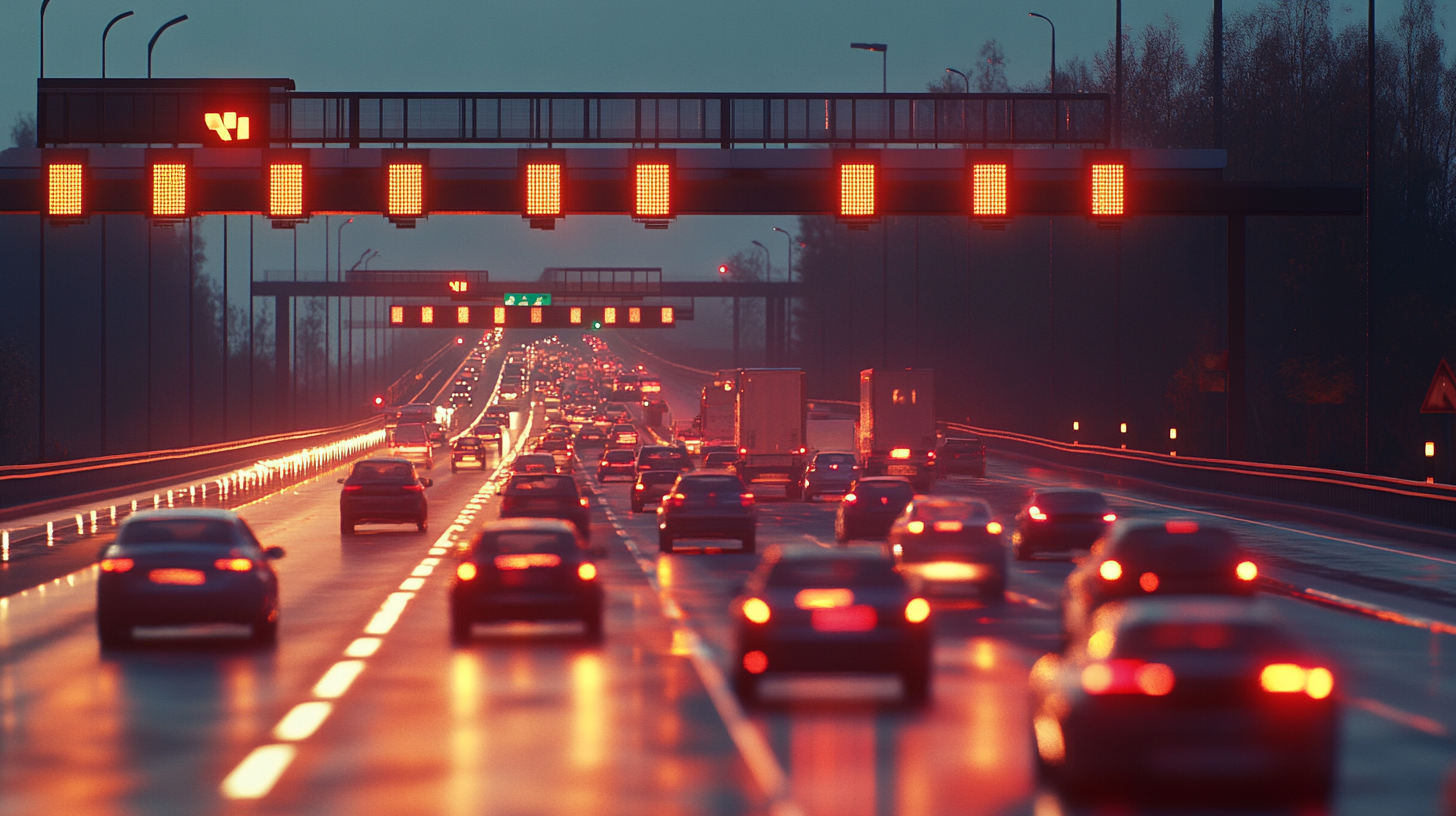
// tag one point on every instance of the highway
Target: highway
(364, 707)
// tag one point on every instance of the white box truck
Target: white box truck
(897, 424)
(768, 426)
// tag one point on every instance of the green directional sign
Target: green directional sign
(527, 299)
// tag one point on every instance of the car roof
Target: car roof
(513, 524)
(213, 514)
(1185, 609)
(873, 480)
(814, 552)
(392, 460)
(1067, 491)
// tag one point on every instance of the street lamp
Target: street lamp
(1054, 46)
(153, 43)
(114, 20)
(962, 76)
(884, 51)
(43, 5)
(770, 319)
(788, 308)
(339, 306)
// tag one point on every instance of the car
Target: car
(498, 414)
(185, 566)
(383, 490)
(809, 609)
(414, 413)
(490, 433)
(707, 505)
(436, 433)
(622, 435)
(534, 463)
(943, 545)
(650, 486)
(620, 462)
(960, 455)
(720, 459)
(468, 451)
(663, 457)
(709, 450)
(526, 569)
(412, 442)
(1191, 696)
(828, 473)
(590, 436)
(871, 507)
(1155, 558)
(1060, 521)
(546, 495)
(618, 412)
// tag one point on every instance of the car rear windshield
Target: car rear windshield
(703, 485)
(1184, 552)
(834, 572)
(1147, 640)
(831, 459)
(526, 541)
(662, 458)
(409, 435)
(720, 459)
(541, 485)
(467, 442)
(177, 531)
(618, 457)
(659, 476)
(488, 430)
(963, 445)
(1072, 501)
(383, 472)
(972, 511)
(894, 491)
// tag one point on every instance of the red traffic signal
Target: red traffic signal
(722, 269)
(378, 401)
(460, 341)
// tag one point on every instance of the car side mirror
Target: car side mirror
(427, 482)
(340, 481)
(273, 553)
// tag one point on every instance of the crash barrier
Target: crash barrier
(1381, 497)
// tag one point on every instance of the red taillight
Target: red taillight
(116, 564)
(1128, 677)
(1036, 513)
(742, 451)
(233, 564)
(745, 499)
(466, 571)
(582, 500)
(676, 500)
(1110, 517)
(930, 456)
(917, 610)
(353, 488)
(850, 498)
(587, 572)
(639, 487)
(1289, 678)
(756, 610)
(1247, 570)
(755, 662)
(415, 487)
(1110, 570)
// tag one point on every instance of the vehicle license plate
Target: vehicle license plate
(467, 458)
(181, 577)
(859, 618)
(901, 470)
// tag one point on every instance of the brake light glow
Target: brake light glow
(1247, 570)
(915, 527)
(850, 498)
(116, 564)
(950, 526)
(639, 486)
(917, 610)
(742, 451)
(587, 572)
(1148, 581)
(1128, 677)
(413, 487)
(900, 453)
(582, 500)
(745, 499)
(756, 610)
(1109, 517)
(466, 571)
(353, 488)
(994, 528)
(755, 662)
(1180, 527)
(1036, 513)
(233, 564)
(824, 598)
(1110, 570)
(1288, 678)
(527, 560)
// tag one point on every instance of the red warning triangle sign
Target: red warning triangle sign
(1441, 398)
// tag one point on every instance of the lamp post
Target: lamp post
(963, 77)
(339, 305)
(770, 315)
(114, 20)
(884, 52)
(43, 5)
(153, 43)
(788, 308)
(1054, 47)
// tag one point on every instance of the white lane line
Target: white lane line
(388, 614)
(257, 774)
(363, 647)
(422, 571)
(412, 584)
(1035, 603)
(337, 679)
(1395, 715)
(302, 721)
(431, 562)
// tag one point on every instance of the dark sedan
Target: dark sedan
(829, 472)
(946, 545)
(1060, 521)
(546, 496)
(174, 567)
(621, 462)
(809, 609)
(1155, 558)
(960, 455)
(385, 490)
(526, 569)
(650, 486)
(871, 506)
(663, 457)
(469, 452)
(1208, 698)
(707, 505)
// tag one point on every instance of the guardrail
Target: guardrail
(28, 488)
(1381, 497)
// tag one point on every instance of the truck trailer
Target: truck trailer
(897, 424)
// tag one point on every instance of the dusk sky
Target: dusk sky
(650, 45)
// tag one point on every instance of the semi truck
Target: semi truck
(768, 426)
(897, 424)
